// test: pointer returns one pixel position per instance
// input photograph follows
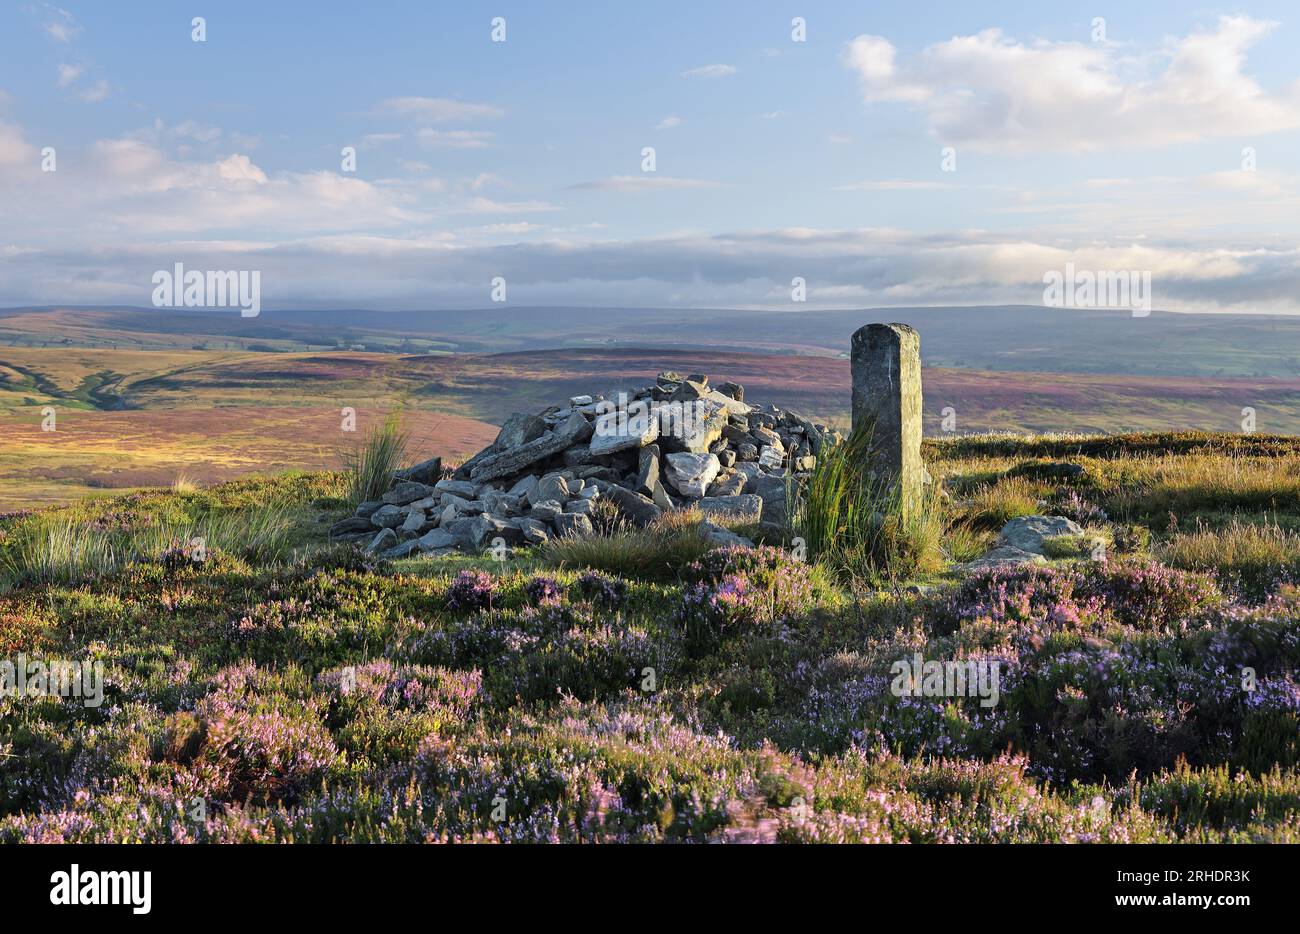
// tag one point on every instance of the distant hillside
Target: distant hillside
(141, 418)
(1009, 338)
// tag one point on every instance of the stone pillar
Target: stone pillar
(887, 400)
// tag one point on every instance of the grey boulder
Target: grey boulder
(1026, 533)
(747, 507)
(424, 472)
(573, 430)
(772, 491)
(727, 484)
(717, 535)
(407, 491)
(385, 539)
(640, 509)
(461, 488)
(435, 540)
(622, 431)
(387, 517)
(351, 526)
(692, 473)
(571, 524)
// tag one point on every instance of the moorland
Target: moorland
(276, 687)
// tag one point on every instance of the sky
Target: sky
(900, 154)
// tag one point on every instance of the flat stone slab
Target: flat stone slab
(629, 432)
(746, 507)
(1026, 533)
(721, 537)
(1003, 556)
(692, 473)
(511, 461)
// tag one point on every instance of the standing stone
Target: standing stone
(886, 361)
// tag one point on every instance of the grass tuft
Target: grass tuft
(657, 552)
(63, 548)
(857, 529)
(371, 465)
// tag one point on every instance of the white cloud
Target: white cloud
(844, 268)
(60, 23)
(710, 71)
(14, 149)
(991, 92)
(375, 140)
(129, 187)
(667, 123)
(645, 182)
(437, 109)
(202, 132)
(69, 74)
(893, 184)
(455, 139)
(505, 230)
(128, 157)
(95, 93)
(488, 206)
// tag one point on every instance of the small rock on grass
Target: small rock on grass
(722, 537)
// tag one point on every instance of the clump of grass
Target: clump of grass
(57, 549)
(856, 528)
(994, 505)
(1216, 797)
(371, 465)
(64, 548)
(606, 518)
(1250, 557)
(261, 535)
(184, 484)
(963, 542)
(1158, 485)
(1092, 543)
(657, 552)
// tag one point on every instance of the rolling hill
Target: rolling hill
(1015, 338)
(129, 419)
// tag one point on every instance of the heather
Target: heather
(314, 693)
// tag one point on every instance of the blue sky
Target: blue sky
(774, 158)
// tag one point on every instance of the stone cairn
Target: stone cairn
(677, 444)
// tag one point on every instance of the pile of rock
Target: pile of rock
(677, 443)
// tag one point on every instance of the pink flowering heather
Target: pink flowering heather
(602, 589)
(544, 591)
(471, 590)
(262, 755)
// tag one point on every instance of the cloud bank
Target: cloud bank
(994, 93)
